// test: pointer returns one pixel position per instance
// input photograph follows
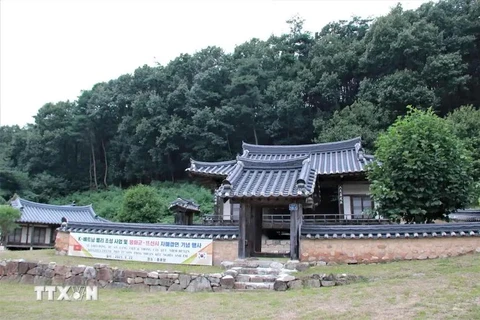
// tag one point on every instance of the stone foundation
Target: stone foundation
(275, 246)
(243, 276)
(382, 250)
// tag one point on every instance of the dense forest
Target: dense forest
(351, 78)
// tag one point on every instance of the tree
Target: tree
(8, 218)
(361, 119)
(423, 171)
(466, 125)
(140, 204)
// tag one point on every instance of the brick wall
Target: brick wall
(379, 250)
(225, 250)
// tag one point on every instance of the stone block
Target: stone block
(231, 272)
(280, 286)
(11, 268)
(49, 273)
(27, 279)
(22, 268)
(77, 270)
(199, 284)
(119, 275)
(158, 289)
(311, 283)
(295, 284)
(327, 283)
(90, 273)
(175, 287)
(153, 275)
(184, 280)
(104, 274)
(61, 270)
(139, 280)
(227, 282)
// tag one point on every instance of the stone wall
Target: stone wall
(271, 275)
(380, 250)
(275, 246)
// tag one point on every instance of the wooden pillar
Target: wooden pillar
(258, 218)
(296, 214)
(249, 229)
(242, 232)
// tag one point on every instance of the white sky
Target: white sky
(50, 50)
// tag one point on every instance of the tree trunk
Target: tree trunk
(90, 172)
(94, 167)
(106, 166)
(255, 133)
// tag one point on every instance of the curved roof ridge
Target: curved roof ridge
(52, 206)
(303, 148)
(271, 164)
(212, 163)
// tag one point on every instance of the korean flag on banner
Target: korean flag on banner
(202, 255)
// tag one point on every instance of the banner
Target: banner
(148, 249)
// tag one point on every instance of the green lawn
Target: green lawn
(429, 289)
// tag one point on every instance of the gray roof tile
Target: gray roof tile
(282, 178)
(33, 212)
(274, 171)
(219, 169)
(188, 204)
(152, 229)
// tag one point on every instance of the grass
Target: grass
(429, 289)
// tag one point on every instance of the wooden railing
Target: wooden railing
(216, 220)
(282, 221)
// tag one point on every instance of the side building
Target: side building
(272, 190)
(38, 223)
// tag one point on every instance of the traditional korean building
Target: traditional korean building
(272, 190)
(38, 222)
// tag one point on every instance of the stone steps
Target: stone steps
(240, 285)
(255, 278)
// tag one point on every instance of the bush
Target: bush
(140, 204)
(423, 171)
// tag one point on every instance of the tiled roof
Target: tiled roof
(273, 171)
(33, 212)
(187, 204)
(327, 158)
(465, 215)
(282, 178)
(391, 231)
(214, 169)
(155, 230)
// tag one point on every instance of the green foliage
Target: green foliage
(350, 78)
(466, 125)
(424, 170)
(8, 218)
(361, 119)
(108, 203)
(140, 204)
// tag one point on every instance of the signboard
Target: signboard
(292, 206)
(148, 249)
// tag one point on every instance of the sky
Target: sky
(51, 50)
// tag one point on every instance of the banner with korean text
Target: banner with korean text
(148, 249)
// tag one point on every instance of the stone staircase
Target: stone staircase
(259, 274)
